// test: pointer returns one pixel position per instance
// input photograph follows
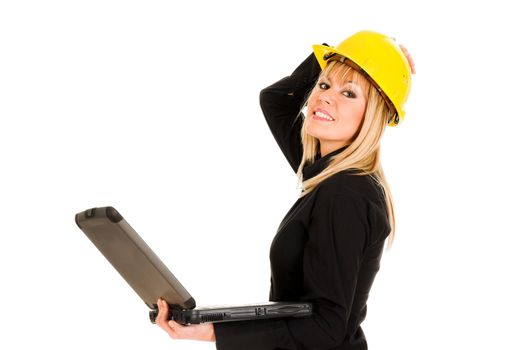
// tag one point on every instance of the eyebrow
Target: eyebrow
(347, 82)
(354, 83)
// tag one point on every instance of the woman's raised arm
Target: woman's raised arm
(281, 104)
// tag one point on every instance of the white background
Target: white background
(152, 107)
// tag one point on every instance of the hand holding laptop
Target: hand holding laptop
(203, 331)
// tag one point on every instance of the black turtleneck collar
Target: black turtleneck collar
(319, 164)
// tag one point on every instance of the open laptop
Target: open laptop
(150, 278)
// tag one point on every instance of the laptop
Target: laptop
(151, 279)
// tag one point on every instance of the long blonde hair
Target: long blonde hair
(363, 153)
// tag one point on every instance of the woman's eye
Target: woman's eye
(323, 86)
(349, 94)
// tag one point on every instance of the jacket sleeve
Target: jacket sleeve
(338, 236)
(281, 104)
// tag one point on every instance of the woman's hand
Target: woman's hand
(204, 331)
(409, 58)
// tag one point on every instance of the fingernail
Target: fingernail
(171, 324)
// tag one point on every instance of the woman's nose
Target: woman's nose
(326, 97)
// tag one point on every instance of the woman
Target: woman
(328, 247)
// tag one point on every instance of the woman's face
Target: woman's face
(336, 108)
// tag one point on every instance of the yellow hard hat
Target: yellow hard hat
(381, 59)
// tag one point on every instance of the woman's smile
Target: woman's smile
(322, 115)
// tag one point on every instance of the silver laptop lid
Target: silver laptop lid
(132, 257)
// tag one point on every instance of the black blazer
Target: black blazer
(327, 248)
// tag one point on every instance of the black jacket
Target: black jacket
(327, 248)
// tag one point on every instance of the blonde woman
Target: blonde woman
(328, 247)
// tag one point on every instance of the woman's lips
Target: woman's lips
(322, 115)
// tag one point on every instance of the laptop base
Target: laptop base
(236, 313)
